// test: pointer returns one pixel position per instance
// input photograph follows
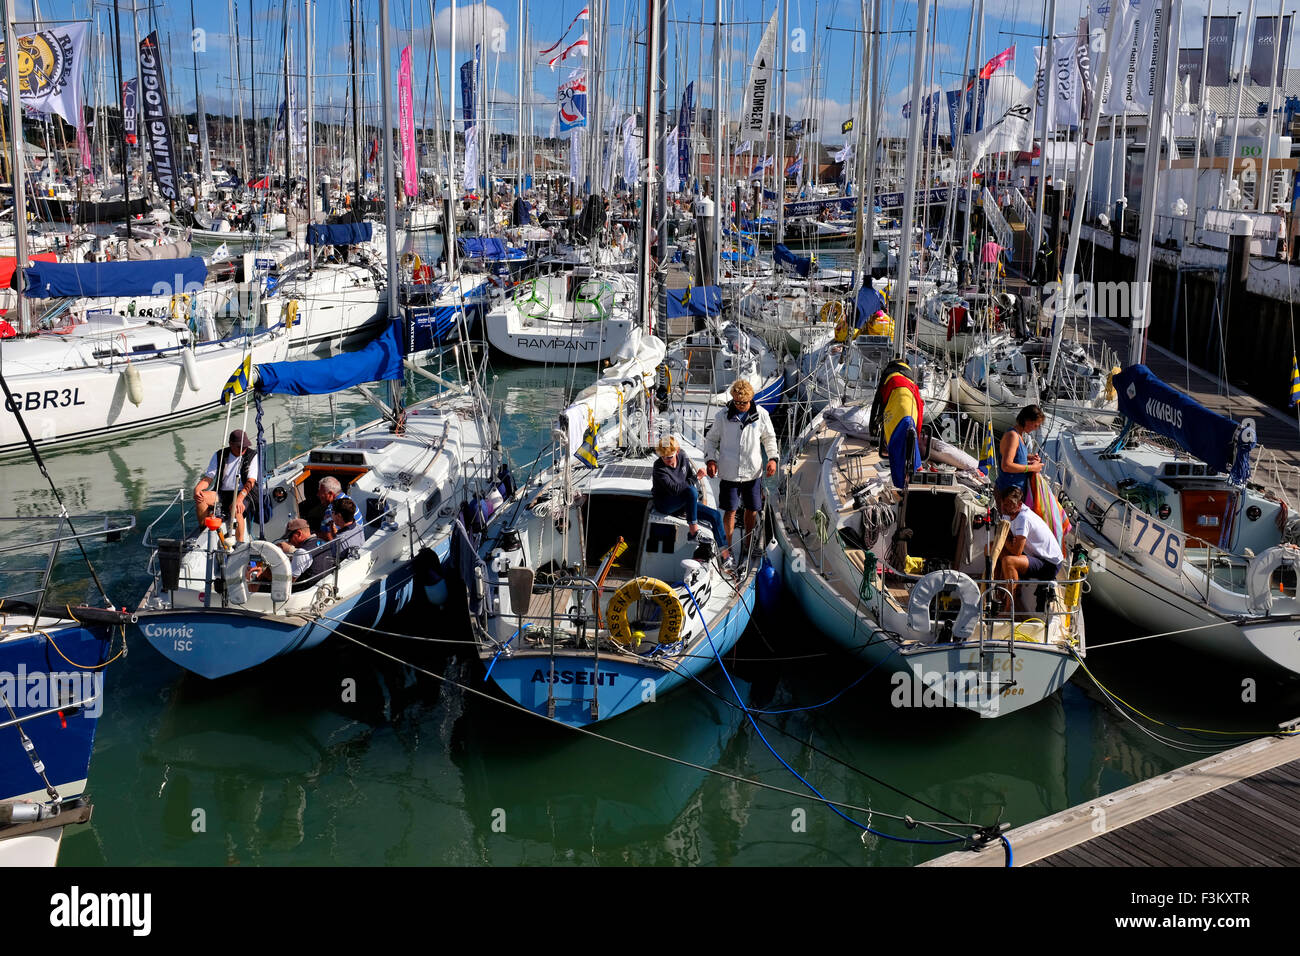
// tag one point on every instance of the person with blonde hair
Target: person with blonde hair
(674, 487)
(738, 442)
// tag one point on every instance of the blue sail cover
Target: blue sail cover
(785, 257)
(1211, 437)
(379, 361)
(869, 303)
(704, 300)
(66, 280)
(339, 234)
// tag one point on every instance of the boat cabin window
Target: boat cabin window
(607, 518)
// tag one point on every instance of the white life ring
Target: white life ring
(1259, 574)
(237, 565)
(925, 590)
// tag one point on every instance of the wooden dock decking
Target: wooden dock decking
(1237, 808)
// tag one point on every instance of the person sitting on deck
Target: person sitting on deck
(348, 535)
(230, 477)
(674, 487)
(309, 558)
(328, 492)
(1031, 550)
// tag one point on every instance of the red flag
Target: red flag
(263, 183)
(993, 65)
(374, 150)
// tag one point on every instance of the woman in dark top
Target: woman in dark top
(1015, 464)
(674, 489)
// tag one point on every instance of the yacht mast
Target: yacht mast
(18, 169)
(909, 197)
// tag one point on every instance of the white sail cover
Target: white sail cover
(630, 161)
(754, 118)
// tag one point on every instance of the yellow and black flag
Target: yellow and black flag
(237, 384)
(847, 126)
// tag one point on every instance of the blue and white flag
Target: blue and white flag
(763, 165)
(748, 144)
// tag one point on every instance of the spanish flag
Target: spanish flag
(987, 457)
(1295, 382)
(237, 384)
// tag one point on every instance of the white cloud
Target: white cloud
(472, 24)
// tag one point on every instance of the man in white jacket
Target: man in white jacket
(738, 442)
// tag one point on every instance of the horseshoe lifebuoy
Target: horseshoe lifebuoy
(658, 591)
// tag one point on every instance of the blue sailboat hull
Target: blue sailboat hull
(63, 741)
(217, 642)
(616, 684)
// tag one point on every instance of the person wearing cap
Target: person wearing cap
(738, 442)
(309, 558)
(674, 488)
(229, 479)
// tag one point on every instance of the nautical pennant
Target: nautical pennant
(1295, 382)
(986, 456)
(545, 55)
(237, 384)
(578, 46)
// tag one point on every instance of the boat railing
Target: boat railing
(65, 532)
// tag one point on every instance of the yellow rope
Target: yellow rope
(1197, 730)
(84, 667)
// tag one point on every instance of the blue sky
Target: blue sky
(831, 69)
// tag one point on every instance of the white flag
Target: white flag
(754, 117)
(575, 159)
(1066, 85)
(1121, 60)
(745, 147)
(671, 177)
(470, 180)
(1011, 133)
(221, 255)
(630, 160)
(49, 71)
(844, 154)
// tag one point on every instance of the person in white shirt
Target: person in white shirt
(1031, 551)
(230, 478)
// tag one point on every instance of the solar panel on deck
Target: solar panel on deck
(625, 470)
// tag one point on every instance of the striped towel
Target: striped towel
(1044, 504)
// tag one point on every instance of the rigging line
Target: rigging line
(1177, 745)
(614, 740)
(824, 753)
(866, 828)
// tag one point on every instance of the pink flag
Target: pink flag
(406, 123)
(83, 145)
(995, 64)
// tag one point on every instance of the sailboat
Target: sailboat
(52, 666)
(1179, 537)
(217, 609)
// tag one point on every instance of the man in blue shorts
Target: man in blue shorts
(738, 442)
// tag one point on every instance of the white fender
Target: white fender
(925, 590)
(272, 557)
(1259, 574)
(134, 386)
(191, 369)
